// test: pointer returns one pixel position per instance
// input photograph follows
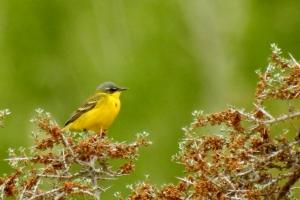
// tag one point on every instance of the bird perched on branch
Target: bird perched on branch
(99, 111)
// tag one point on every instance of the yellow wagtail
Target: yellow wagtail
(99, 111)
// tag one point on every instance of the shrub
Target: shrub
(63, 165)
(239, 154)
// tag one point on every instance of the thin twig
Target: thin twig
(264, 111)
(282, 118)
(45, 194)
(291, 181)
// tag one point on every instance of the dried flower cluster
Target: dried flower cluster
(65, 165)
(234, 154)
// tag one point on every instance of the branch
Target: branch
(291, 181)
(282, 118)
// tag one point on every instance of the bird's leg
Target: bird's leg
(102, 133)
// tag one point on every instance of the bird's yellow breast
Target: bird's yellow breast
(101, 116)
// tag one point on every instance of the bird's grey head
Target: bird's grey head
(109, 87)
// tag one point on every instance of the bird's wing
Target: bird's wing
(89, 104)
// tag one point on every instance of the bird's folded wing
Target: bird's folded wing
(88, 105)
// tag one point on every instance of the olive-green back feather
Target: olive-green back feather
(89, 104)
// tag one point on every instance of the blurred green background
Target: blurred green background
(175, 56)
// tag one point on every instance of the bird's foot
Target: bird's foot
(102, 133)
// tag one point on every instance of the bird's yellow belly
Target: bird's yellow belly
(99, 118)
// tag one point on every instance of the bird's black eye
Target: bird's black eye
(111, 90)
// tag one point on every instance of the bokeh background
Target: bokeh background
(175, 56)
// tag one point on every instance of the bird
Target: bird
(98, 112)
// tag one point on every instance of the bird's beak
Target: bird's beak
(123, 88)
